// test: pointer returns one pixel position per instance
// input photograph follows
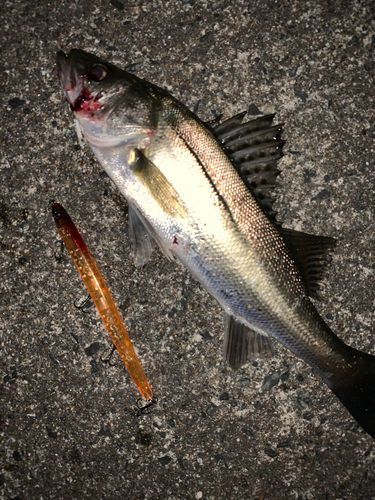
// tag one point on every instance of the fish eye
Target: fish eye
(98, 73)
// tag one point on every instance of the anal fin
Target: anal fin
(242, 344)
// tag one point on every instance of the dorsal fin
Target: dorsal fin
(311, 254)
(221, 128)
(254, 148)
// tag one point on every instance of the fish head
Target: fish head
(111, 106)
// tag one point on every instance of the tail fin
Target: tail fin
(356, 390)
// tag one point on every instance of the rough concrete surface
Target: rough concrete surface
(68, 424)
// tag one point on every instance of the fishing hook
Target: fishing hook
(107, 361)
(83, 306)
(59, 252)
(141, 410)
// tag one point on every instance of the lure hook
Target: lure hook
(141, 410)
(59, 252)
(83, 306)
(108, 360)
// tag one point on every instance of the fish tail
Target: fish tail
(356, 389)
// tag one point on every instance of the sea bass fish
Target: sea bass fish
(202, 193)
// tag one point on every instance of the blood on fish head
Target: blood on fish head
(85, 102)
(90, 85)
(111, 106)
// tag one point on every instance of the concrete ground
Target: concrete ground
(68, 423)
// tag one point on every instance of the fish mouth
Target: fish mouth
(89, 107)
(71, 82)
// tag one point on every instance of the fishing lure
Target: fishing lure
(101, 297)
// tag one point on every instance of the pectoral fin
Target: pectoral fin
(241, 344)
(158, 185)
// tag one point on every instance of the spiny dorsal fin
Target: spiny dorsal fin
(241, 344)
(254, 148)
(221, 128)
(312, 254)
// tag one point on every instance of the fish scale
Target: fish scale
(203, 194)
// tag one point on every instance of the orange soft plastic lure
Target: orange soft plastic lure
(101, 297)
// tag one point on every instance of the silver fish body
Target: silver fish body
(186, 193)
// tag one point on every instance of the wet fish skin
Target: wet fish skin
(187, 196)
